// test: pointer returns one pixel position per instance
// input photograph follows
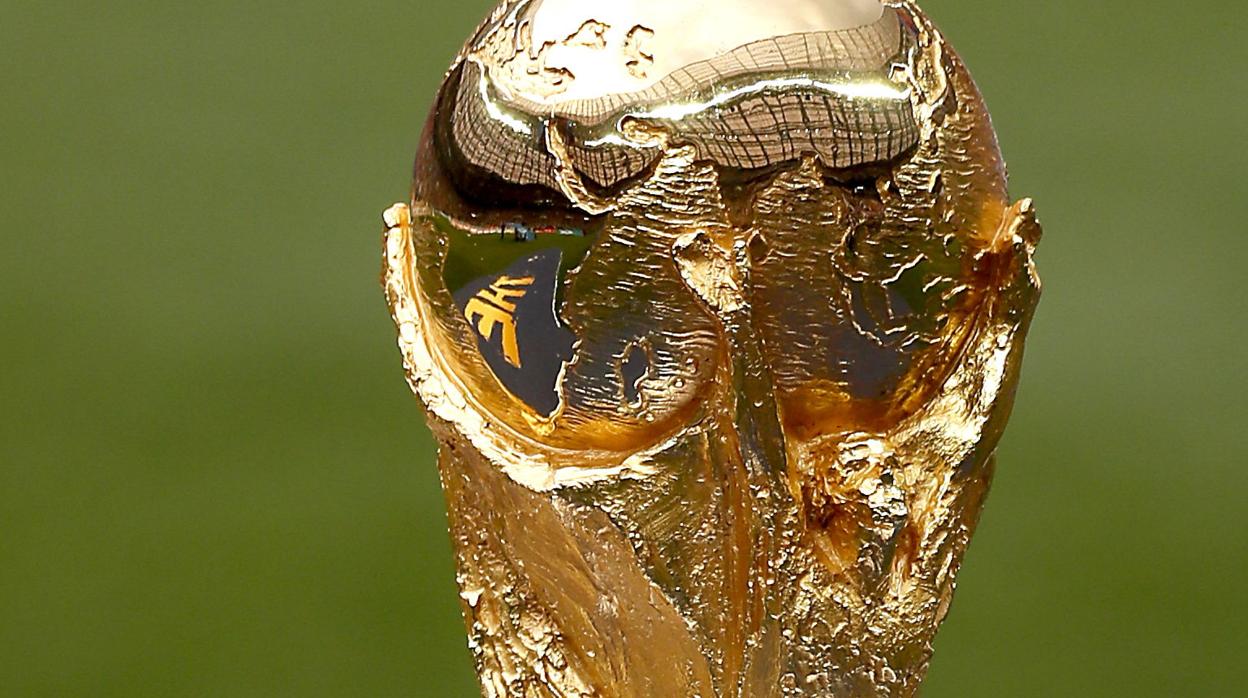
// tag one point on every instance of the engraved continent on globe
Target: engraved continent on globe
(716, 311)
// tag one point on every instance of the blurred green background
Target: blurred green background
(214, 482)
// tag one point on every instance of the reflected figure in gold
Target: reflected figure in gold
(716, 311)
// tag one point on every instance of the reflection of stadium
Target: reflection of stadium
(523, 233)
(830, 93)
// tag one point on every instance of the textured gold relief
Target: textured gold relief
(717, 322)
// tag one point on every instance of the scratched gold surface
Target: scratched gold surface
(797, 327)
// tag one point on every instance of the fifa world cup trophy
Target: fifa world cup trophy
(716, 310)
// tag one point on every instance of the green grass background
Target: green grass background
(213, 480)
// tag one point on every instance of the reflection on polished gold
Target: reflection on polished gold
(716, 311)
(493, 308)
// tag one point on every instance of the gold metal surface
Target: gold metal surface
(716, 311)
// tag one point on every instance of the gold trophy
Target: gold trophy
(716, 311)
